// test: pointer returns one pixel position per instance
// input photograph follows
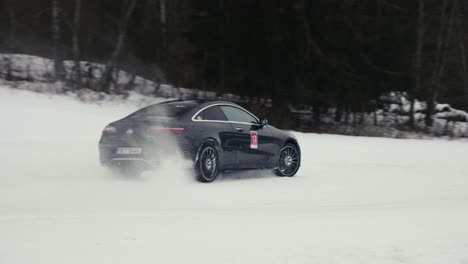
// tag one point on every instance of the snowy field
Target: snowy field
(355, 200)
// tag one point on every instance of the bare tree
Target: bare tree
(443, 43)
(13, 26)
(163, 21)
(8, 62)
(221, 51)
(447, 39)
(311, 44)
(463, 31)
(59, 70)
(107, 79)
(76, 44)
(418, 59)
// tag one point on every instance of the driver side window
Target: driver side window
(235, 114)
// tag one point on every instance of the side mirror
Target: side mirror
(263, 121)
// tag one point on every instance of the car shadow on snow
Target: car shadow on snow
(187, 175)
(245, 175)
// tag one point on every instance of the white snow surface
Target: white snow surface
(355, 200)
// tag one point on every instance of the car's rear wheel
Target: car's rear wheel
(207, 166)
(290, 160)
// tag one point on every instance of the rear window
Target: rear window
(212, 113)
(168, 110)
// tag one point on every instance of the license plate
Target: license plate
(128, 151)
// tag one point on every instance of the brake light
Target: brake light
(175, 130)
(109, 130)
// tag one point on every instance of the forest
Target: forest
(324, 54)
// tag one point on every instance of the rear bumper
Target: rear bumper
(149, 158)
(109, 158)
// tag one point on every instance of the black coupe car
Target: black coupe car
(216, 136)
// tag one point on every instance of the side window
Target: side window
(212, 113)
(237, 115)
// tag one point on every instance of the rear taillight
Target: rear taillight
(109, 130)
(176, 130)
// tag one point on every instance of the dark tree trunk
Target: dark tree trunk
(443, 41)
(76, 45)
(316, 110)
(376, 120)
(347, 113)
(338, 113)
(411, 113)
(107, 77)
(463, 37)
(221, 51)
(280, 113)
(355, 121)
(430, 107)
(417, 61)
(163, 22)
(59, 70)
(13, 26)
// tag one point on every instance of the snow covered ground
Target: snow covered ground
(355, 200)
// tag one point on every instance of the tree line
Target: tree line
(340, 54)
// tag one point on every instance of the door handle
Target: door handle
(239, 129)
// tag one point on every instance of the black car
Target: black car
(217, 136)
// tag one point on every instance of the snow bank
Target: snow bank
(392, 117)
(36, 72)
(33, 73)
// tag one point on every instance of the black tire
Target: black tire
(289, 161)
(207, 166)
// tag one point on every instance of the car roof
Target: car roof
(200, 105)
(196, 101)
(200, 102)
(218, 102)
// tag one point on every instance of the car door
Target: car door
(212, 122)
(252, 142)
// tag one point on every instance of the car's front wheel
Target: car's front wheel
(207, 166)
(290, 160)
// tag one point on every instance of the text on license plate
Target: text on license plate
(128, 151)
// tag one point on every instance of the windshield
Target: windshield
(166, 110)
